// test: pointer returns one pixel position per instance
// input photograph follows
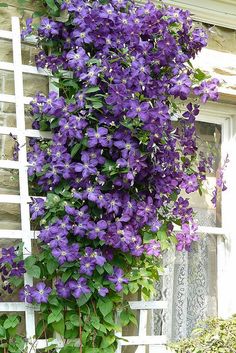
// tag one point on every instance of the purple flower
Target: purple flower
(97, 137)
(49, 28)
(66, 253)
(96, 255)
(18, 269)
(187, 235)
(208, 90)
(63, 289)
(153, 248)
(118, 279)
(87, 265)
(88, 167)
(79, 287)
(37, 208)
(28, 30)
(102, 291)
(8, 255)
(25, 294)
(180, 86)
(189, 183)
(40, 293)
(77, 58)
(97, 230)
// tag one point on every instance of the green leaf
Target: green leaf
(59, 327)
(52, 265)
(147, 237)
(11, 322)
(40, 328)
(200, 75)
(124, 318)
(92, 89)
(107, 341)
(55, 316)
(29, 262)
(108, 268)
(97, 105)
(75, 320)
(34, 271)
(75, 149)
(3, 4)
(83, 299)
(105, 306)
(51, 4)
(2, 332)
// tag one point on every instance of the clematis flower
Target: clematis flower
(79, 287)
(118, 279)
(40, 293)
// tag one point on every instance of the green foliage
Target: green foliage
(212, 336)
(10, 340)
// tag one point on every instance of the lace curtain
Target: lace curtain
(189, 286)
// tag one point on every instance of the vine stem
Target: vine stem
(80, 334)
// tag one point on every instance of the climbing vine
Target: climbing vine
(123, 148)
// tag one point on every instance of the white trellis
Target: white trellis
(155, 343)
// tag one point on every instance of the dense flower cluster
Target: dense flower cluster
(11, 265)
(115, 149)
(117, 161)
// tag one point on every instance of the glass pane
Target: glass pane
(209, 142)
(9, 182)
(6, 50)
(7, 82)
(34, 84)
(7, 114)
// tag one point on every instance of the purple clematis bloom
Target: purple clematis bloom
(153, 248)
(102, 291)
(37, 208)
(40, 293)
(25, 294)
(63, 289)
(77, 58)
(118, 279)
(97, 230)
(88, 167)
(97, 137)
(79, 287)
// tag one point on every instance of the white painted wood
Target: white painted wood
(148, 305)
(16, 234)
(17, 306)
(5, 34)
(6, 164)
(28, 132)
(8, 98)
(23, 173)
(145, 340)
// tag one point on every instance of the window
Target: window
(193, 282)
